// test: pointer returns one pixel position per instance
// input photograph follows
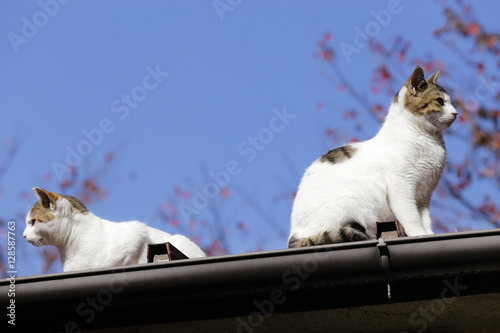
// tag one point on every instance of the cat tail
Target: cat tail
(349, 232)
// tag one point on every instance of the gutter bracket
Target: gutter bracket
(383, 251)
(162, 251)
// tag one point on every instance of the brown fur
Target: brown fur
(421, 95)
(350, 232)
(40, 213)
(339, 155)
(77, 204)
(319, 239)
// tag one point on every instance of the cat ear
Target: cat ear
(433, 78)
(46, 198)
(417, 81)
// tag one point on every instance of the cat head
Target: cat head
(427, 101)
(48, 220)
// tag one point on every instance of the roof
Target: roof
(439, 281)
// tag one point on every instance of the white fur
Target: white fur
(391, 176)
(86, 241)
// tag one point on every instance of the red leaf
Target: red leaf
(109, 157)
(47, 177)
(174, 222)
(215, 246)
(377, 108)
(90, 185)
(224, 192)
(473, 29)
(65, 183)
(401, 56)
(328, 55)
(480, 68)
(192, 224)
(177, 190)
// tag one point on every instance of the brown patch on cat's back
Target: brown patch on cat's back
(339, 155)
(40, 213)
(320, 239)
(349, 232)
(76, 204)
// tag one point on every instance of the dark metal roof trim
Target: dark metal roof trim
(321, 277)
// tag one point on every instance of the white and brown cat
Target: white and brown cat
(86, 241)
(391, 176)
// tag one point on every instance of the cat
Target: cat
(389, 177)
(85, 241)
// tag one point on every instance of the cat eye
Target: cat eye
(440, 101)
(32, 222)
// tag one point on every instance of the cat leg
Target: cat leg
(406, 212)
(425, 215)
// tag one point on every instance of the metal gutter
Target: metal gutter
(304, 279)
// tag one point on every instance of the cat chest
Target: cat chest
(425, 167)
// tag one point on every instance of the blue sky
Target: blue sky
(226, 80)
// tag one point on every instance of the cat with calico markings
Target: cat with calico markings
(86, 241)
(389, 177)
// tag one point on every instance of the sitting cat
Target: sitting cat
(86, 241)
(391, 176)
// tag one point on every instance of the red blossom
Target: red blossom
(174, 222)
(224, 192)
(243, 226)
(192, 224)
(353, 139)
(328, 55)
(47, 177)
(401, 56)
(65, 183)
(90, 185)
(473, 29)
(109, 157)
(480, 68)
(319, 106)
